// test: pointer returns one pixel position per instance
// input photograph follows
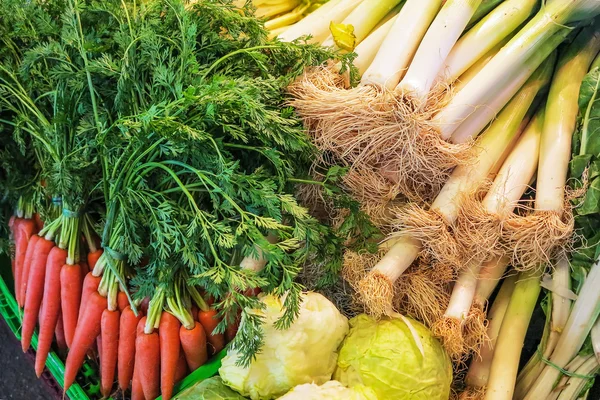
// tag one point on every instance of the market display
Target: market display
(303, 199)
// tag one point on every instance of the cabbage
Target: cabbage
(332, 390)
(303, 353)
(384, 356)
(209, 389)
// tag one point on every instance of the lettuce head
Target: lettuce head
(306, 352)
(332, 390)
(386, 356)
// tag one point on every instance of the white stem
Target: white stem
(490, 31)
(400, 45)
(479, 371)
(359, 23)
(436, 45)
(398, 258)
(595, 335)
(561, 117)
(258, 263)
(501, 69)
(561, 306)
(583, 316)
(492, 147)
(574, 384)
(490, 275)
(367, 50)
(317, 23)
(517, 170)
(571, 367)
(463, 292)
(469, 74)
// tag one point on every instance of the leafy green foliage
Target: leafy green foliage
(168, 120)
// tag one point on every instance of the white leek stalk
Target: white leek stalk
(484, 9)
(562, 111)
(490, 31)
(367, 50)
(504, 368)
(481, 116)
(435, 47)
(552, 18)
(581, 319)
(359, 23)
(317, 23)
(400, 44)
(479, 370)
(490, 275)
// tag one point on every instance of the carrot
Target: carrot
(20, 291)
(110, 346)
(59, 333)
(39, 224)
(231, 330)
(144, 305)
(209, 321)
(193, 343)
(84, 268)
(147, 358)
(35, 290)
(92, 258)
(13, 224)
(99, 346)
(70, 298)
(122, 300)
(182, 368)
(168, 331)
(24, 230)
(127, 334)
(137, 392)
(90, 285)
(88, 329)
(56, 259)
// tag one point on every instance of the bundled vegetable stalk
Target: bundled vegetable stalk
(405, 139)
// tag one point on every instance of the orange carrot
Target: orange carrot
(70, 298)
(193, 343)
(92, 258)
(24, 230)
(110, 345)
(35, 290)
(15, 234)
(90, 285)
(84, 268)
(56, 259)
(231, 330)
(209, 321)
(168, 331)
(88, 329)
(127, 335)
(39, 224)
(137, 391)
(59, 333)
(122, 300)
(99, 346)
(147, 358)
(182, 368)
(22, 288)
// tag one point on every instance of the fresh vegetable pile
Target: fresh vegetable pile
(184, 177)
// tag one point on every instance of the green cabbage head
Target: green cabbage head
(306, 352)
(332, 390)
(385, 356)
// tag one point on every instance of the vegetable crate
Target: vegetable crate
(87, 386)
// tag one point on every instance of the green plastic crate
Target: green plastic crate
(11, 313)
